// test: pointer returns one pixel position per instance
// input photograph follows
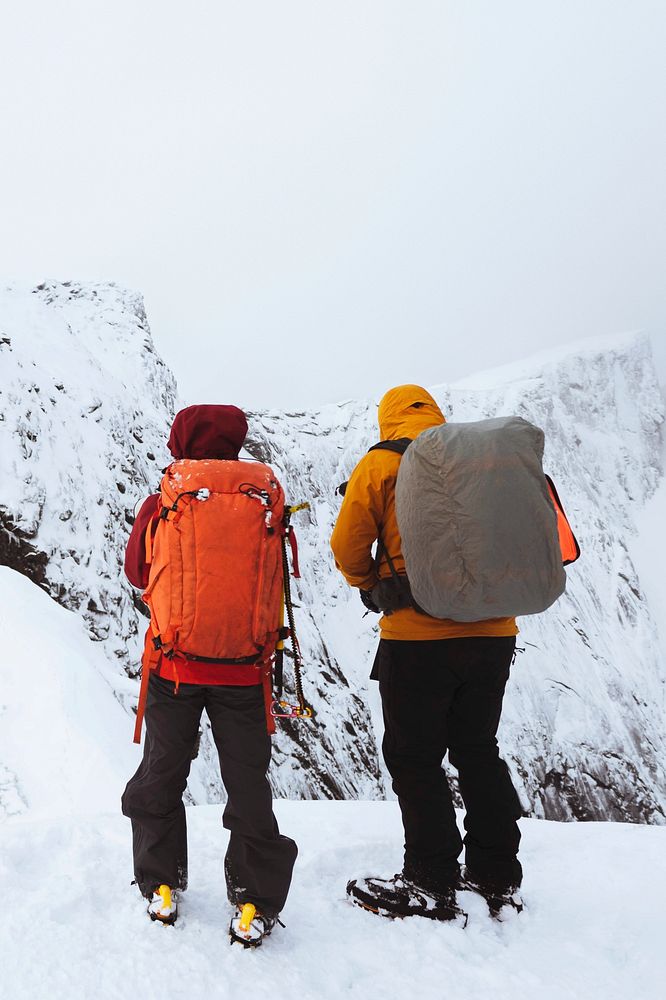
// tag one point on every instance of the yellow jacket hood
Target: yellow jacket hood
(407, 410)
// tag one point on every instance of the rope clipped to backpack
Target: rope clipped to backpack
(280, 708)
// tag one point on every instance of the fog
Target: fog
(320, 200)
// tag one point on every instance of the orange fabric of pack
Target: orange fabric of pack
(215, 583)
(568, 544)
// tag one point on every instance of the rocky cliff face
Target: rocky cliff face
(584, 719)
(583, 723)
(85, 406)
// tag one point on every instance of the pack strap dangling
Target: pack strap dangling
(149, 661)
(267, 685)
(293, 545)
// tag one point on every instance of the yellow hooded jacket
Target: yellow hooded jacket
(368, 510)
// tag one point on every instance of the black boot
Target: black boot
(500, 897)
(400, 897)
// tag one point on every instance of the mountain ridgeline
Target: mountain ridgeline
(85, 407)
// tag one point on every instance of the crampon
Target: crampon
(249, 927)
(163, 907)
(400, 897)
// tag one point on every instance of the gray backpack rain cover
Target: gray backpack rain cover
(478, 527)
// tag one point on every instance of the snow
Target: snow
(65, 742)
(582, 728)
(648, 551)
(85, 406)
(535, 365)
(74, 928)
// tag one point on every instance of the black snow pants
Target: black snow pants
(446, 695)
(259, 860)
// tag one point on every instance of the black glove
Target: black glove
(366, 597)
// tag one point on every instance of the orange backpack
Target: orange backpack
(215, 583)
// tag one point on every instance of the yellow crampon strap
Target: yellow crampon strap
(165, 892)
(247, 916)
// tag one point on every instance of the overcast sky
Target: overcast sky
(323, 199)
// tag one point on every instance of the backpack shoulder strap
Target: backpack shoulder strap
(399, 446)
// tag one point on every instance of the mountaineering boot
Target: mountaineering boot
(400, 897)
(501, 898)
(164, 905)
(249, 927)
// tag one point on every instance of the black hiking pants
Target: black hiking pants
(259, 860)
(446, 695)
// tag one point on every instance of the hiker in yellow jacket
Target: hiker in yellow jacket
(442, 684)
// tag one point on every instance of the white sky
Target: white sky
(323, 199)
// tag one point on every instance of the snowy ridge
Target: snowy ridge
(585, 717)
(86, 405)
(583, 724)
(536, 365)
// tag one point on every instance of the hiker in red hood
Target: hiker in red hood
(235, 695)
(197, 432)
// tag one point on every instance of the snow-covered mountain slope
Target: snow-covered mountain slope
(85, 408)
(585, 718)
(73, 928)
(85, 403)
(583, 726)
(63, 736)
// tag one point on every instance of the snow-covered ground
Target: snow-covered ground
(74, 929)
(65, 741)
(584, 715)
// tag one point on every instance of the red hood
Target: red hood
(208, 432)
